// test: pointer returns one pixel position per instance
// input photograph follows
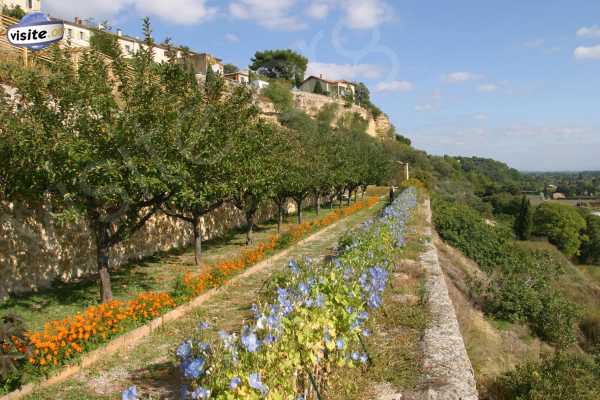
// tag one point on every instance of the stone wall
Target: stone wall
(36, 250)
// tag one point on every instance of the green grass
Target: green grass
(155, 273)
(151, 364)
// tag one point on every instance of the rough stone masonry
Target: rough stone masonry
(448, 370)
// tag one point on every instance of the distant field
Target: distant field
(537, 200)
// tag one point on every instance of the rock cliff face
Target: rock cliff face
(312, 103)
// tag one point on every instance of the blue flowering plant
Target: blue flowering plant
(313, 320)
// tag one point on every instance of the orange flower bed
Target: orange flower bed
(63, 339)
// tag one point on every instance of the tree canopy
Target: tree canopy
(280, 64)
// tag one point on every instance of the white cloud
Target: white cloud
(344, 71)
(366, 14)
(271, 14)
(480, 116)
(587, 53)
(589, 31)
(318, 9)
(395, 86)
(195, 10)
(459, 77)
(232, 38)
(487, 88)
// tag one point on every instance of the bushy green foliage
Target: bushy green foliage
(230, 68)
(279, 92)
(563, 377)
(14, 12)
(524, 221)
(590, 251)
(106, 43)
(280, 64)
(562, 225)
(520, 284)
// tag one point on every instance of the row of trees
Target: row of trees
(117, 142)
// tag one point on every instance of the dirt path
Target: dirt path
(150, 365)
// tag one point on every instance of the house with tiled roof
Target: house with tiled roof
(333, 88)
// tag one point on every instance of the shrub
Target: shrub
(564, 377)
(590, 251)
(563, 225)
(520, 286)
(279, 92)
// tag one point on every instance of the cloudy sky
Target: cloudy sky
(515, 80)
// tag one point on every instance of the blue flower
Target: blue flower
(363, 358)
(293, 264)
(249, 340)
(184, 350)
(234, 383)
(129, 394)
(321, 299)
(366, 332)
(184, 392)
(303, 288)
(200, 393)
(192, 369)
(349, 310)
(340, 344)
(255, 383)
(203, 325)
(355, 356)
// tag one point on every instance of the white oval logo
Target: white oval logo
(34, 33)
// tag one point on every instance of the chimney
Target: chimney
(77, 21)
(119, 32)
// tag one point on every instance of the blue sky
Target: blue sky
(518, 81)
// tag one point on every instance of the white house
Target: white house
(241, 77)
(338, 88)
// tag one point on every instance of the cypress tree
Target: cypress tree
(524, 222)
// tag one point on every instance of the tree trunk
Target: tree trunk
(250, 221)
(356, 195)
(298, 201)
(349, 197)
(318, 198)
(280, 211)
(102, 248)
(340, 195)
(197, 240)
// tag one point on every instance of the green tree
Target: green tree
(230, 68)
(524, 221)
(590, 252)
(280, 64)
(279, 92)
(15, 12)
(97, 144)
(106, 43)
(318, 88)
(563, 225)
(362, 95)
(211, 124)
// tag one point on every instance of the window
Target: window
(82, 35)
(69, 33)
(29, 4)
